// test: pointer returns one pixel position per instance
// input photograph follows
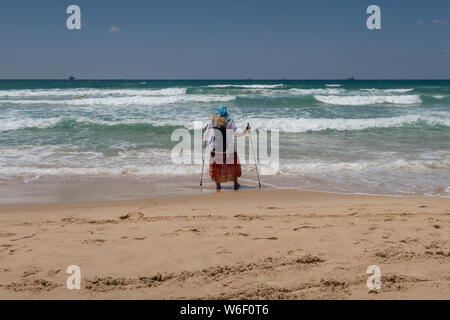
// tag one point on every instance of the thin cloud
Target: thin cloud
(420, 22)
(446, 51)
(438, 21)
(114, 29)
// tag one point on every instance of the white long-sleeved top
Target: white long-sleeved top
(232, 131)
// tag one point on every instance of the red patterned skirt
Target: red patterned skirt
(223, 172)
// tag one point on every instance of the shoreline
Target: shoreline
(105, 189)
(277, 244)
(112, 203)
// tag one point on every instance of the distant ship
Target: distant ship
(71, 78)
(351, 78)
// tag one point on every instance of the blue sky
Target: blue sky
(258, 39)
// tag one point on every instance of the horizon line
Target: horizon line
(222, 79)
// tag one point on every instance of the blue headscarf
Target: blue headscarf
(223, 112)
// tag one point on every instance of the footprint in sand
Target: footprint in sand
(431, 223)
(93, 241)
(268, 238)
(6, 234)
(222, 251)
(305, 227)
(25, 237)
(31, 271)
(132, 216)
(53, 272)
(242, 234)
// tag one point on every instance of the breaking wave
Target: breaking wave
(388, 90)
(368, 100)
(287, 125)
(25, 93)
(248, 86)
(315, 91)
(129, 100)
(321, 124)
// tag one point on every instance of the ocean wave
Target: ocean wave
(100, 171)
(30, 173)
(368, 100)
(38, 161)
(77, 122)
(152, 101)
(80, 164)
(333, 85)
(90, 92)
(248, 86)
(388, 90)
(297, 91)
(290, 125)
(287, 125)
(16, 124)
(129, 100)
(394, 164)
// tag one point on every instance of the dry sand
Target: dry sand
(269, 245)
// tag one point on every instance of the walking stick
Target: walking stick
(253, 151)
(203, 164)
(203, 160)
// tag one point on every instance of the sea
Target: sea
(83, 140)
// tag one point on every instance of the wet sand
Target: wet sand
(279, 244)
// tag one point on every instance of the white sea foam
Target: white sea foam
(332, 85)
(315, 91)
(37, 161)
(128, 100)
(99, 171)
(388, 90)
(15, 124)
(282, 124)
(390, 164)
(340, 124)
(368, 100)
(152, 101)
(34, 162)
(33, 173)
(25, 93)
(249, 86)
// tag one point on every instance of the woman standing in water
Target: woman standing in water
(224, 163)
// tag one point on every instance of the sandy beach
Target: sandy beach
(280, 244)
